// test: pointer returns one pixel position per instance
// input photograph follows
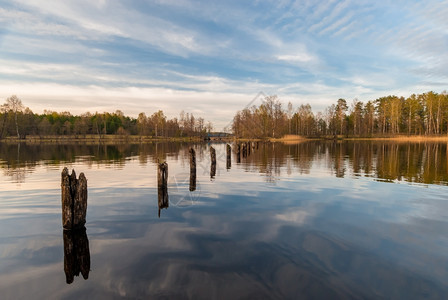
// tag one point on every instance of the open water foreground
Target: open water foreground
(317, 220)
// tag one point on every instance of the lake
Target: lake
(320, 220)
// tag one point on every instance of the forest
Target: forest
(419, 114)
(19, 121)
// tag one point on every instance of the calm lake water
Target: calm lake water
(321, 220)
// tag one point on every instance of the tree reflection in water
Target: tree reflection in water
(387, 161)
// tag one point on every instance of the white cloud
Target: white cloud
(90, 20)
(303, 57)
(296, 217)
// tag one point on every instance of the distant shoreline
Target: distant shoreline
(136, 139)
(397, 138)
(96, 139)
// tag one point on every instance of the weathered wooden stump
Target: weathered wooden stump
(74, 200)
(192, 187)
(76, 254)
(238, 153)
(192, 159)
(257, 145)
(244, 150)
(229, 156)
(192, 170)
(162, 186)
(248, 148)
(213, 162)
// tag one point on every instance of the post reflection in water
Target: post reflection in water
(192, 186)
(162, 186)
(212, 170)
(162, 193)
(76, 254)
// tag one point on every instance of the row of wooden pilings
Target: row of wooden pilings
(242, 150)
(74, 206)
(74, 190)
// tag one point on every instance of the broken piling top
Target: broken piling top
(74, 199)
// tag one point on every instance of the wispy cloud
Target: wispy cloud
(332, 18)
(295, 58)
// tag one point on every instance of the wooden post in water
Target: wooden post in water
(74, 200)
(238, 153)
(248, 148)
(67, 203)
(162, 186)
(229, 156)
(192, 170)
(213, 162)
(244, 150)
(162, 174)
(80, 203)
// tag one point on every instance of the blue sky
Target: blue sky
(213, 57)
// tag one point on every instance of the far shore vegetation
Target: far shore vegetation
(419, 117)
(18, 122)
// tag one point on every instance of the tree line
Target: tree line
(419, 114)
(16, 120)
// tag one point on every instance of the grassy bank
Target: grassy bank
(289, 139)
(397, 138)
(293, 139)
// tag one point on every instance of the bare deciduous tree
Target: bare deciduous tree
(15, 105)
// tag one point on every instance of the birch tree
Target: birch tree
(15, 105)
